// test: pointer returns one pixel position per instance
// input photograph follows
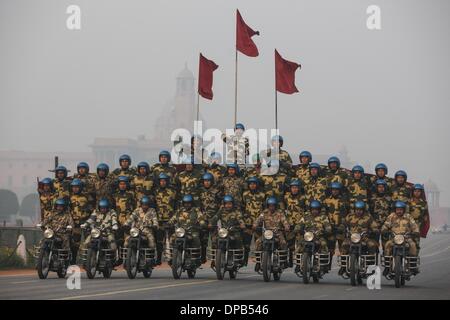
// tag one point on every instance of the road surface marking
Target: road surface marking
(20, 282)
(322, 296)
(135, 290)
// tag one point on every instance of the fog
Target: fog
(384, 94)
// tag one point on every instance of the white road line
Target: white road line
(20, 282)
(135, 290)
(320, 297)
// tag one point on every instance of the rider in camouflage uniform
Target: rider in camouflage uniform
(103, 183)
(335, 173)
(61, 184)
(145, 220)
(275, 152)
(60, 221)
(233, 184)
(253, 204)
(400, 222)
(381, 171)
(275, 182)
(360, 221)
(164, 166)
(380, 205)
(215, 168)
(358, 185)
(88, 181)
(301, 171)
(166, 203)
(400, 190)
(125, 170)
(143, 181)
(47, 197)
(80, 209)
(188, 181)
(237, 146)
(316, 185)
(418, 209)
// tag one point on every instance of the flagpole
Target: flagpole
(235, 87)
(198, 107)
(276, 108)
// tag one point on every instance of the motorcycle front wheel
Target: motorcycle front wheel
(43, 264)
(354, 270)
(266, 265)
(177, 264)
(132, 263)
(398, 271)
(305, 267)
(91, 263)
(220, 264)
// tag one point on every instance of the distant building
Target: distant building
(439, 215)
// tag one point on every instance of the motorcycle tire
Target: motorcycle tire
(266, 266)
(306, 268)
(219, 264)
(91, 264)
(177, 264)
(354, 270)
(398, 271)
(132, 263)
(43, 264)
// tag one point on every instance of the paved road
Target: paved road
(432, 283)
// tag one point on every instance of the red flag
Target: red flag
(285, 74)
(205, 77)
(244, 34)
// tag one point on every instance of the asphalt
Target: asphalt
(432, 283)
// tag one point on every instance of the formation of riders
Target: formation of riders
(207, 202)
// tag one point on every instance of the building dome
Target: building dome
(185, 73)
(431, 186)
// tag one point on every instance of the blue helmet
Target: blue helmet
(306, 154)
(162, 176)
(47, 181)
(360, 205)
(61, 168)
(228, 198)
(77, 183)
(334, 159)
(187, 198)
(400, 204)
(336, 185)
(313, 165)
(61, 202)
(271, 200)
(208, 176)
(239, 126)
(216, 155)
(315, 204)
(381, 182)
(103, 203)
(419, 186)
(164, 153)
(381, 166)
(123, 179)
(83, 165)
(125, 157)
(295, 182)
(358, 168)
(253, 180)
(143, 164)
(401, 173)
(145, 200)
(103, 167)
(278, 138)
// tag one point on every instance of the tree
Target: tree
(9, 204)
(30, 206)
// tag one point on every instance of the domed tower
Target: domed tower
(432, 191)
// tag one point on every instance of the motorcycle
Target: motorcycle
(137, 256)
(98, 256)
(311, 263)
(184, 258)
(358, 260)
(226, 257)
(51, 256)
(401, 266)
(271, 259)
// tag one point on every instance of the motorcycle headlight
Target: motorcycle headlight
(134, 232)
(355, 237)
(95, 233)
(399, 239)
(223, 233)
(309, 236)
(179, 232)
(268, 234)
(48, 233)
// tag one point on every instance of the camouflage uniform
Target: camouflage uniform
(276, 220)
(80, 209)
(358, 190)
(62, 188)
(295, 210)
(401, 192)
(337, 209)
(237, 149)
(418, 209)
(253, 205)
(104, 222)
(275, 185)
(315, 189)
(359, 224)
(125, 203)
(130, 172)
(166, 203)
(88, 186)
(167, 168)
(210, 199)
(144, 221)
(143, 186)
(103, 188)
(228, 218)
(380, 207)
(338, 175)
(189, 218)
(301, 171)
(217, 171)
(283, 157)
(400, 225)
(389, 182)
(188, 182)
(319, 225)
(46, 200)
(253, 171)
(233, 186)
(58, 222)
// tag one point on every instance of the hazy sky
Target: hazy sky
(384, 94)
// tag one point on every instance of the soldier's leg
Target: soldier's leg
(76, 239)
(159, 244)
(372, 246)
(204, 244)
(247, 240)
(344, 251)
(387, 252)
(412, 248)
(258, 247)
